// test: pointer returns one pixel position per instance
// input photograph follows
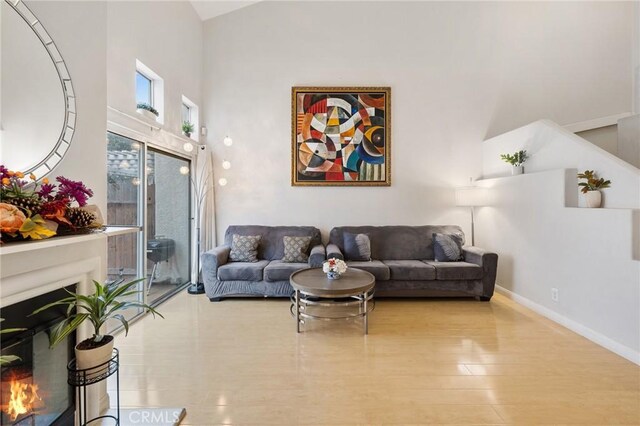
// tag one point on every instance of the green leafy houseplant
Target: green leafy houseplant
(148, 107)
(98, 308)
(593, 183)
(187, 128)
(8, 359)
(516, 159)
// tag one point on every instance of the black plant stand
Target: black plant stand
(82, 378)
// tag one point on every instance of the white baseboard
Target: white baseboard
(594, 336)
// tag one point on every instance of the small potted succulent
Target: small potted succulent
(517, 159)
(334, 268)
(591, 188)
(187, 128)
(147, 110)
(98, 308)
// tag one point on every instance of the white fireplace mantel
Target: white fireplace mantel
(31, 268)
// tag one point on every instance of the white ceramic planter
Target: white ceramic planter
(517, 170)
(593, 199)
(147, 114)
(90, 358)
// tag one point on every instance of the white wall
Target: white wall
(552, 147)
(459, 72)
(165, 36)
(80, 34)
(544, 240)
(589, 255)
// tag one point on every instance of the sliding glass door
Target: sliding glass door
(168, 224)
(149, 199)
(124, 210)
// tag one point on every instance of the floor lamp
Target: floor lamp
(201, 187)
(471, 196)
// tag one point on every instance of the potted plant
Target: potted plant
(98, 308)
(8, 359)
(517, 159)
(187, 128)
(591, 188)
(147, 110)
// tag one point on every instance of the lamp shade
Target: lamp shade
(471, 196)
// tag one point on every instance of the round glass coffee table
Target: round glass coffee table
(317, 297)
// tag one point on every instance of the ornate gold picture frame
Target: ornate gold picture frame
(341, 136)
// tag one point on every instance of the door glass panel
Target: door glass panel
(168, 224)
(124, 175)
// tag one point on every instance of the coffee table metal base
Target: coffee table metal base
(323, 307)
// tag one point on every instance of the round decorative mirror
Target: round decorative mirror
(38, 102)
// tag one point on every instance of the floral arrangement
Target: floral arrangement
(37, 210)
(335, 266)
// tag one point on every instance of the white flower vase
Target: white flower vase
(593, 199)
(517, 170)
(333, 275)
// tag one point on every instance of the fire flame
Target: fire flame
(23, 395)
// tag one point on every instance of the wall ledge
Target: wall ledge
(598, 338)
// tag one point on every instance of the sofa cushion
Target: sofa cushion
(357, 247)
(447, 247)
(396, 242)
(410, 270)
(244, 248)
(455, 270)
(242, 271)
(272, 242)
(375, 267)
(295, 249)
(277, 270)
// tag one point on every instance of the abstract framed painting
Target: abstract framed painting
(341, 136)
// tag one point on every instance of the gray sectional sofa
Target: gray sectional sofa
(267, 277)
(402, 262)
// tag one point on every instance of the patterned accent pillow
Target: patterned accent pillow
(447, 247)
(295, 249)
(357, 247)
(244, 248)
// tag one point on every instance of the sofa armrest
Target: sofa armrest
(212, 260)
(488, 261)
(317, 256)
(333, 251)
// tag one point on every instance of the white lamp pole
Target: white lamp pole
(471, 196)
(200, 191)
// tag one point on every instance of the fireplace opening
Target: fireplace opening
(34, 389)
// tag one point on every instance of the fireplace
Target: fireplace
(34, 389)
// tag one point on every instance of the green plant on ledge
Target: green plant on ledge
(97, 308)
(593, 183)
(148, 107)
(187, 128)
(516, 159)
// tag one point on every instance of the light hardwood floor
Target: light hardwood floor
(424, 362)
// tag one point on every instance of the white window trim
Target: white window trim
(194, 115)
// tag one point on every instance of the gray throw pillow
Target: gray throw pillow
(447, 247)
(357, 247)
(244, 248)
(295, 249)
